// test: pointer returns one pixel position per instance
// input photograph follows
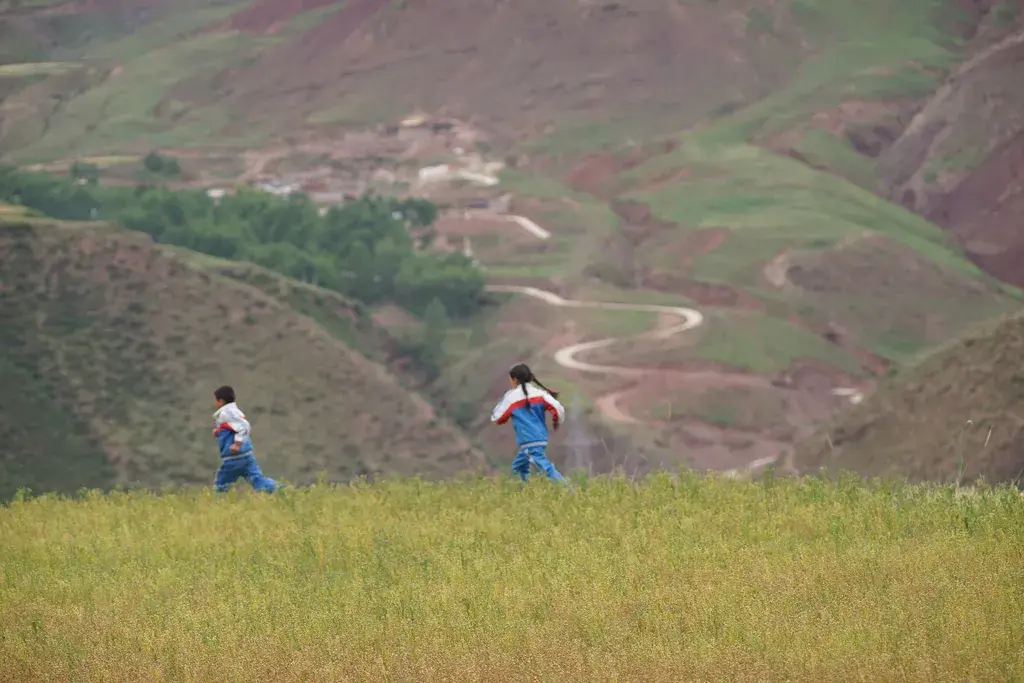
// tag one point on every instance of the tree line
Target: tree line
(370, 248)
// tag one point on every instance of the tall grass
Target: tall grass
(668, 580)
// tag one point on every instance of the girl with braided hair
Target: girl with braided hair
(527, 404)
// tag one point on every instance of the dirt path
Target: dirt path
(608, 405)
(566, 356)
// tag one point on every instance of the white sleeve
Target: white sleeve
(239, 425)
(500, 414)
(556, 407)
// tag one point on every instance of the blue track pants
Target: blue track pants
(534, 455)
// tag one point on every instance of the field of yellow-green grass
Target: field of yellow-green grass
(671, 579)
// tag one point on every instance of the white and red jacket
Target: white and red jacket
(528, 412)
(231, 428)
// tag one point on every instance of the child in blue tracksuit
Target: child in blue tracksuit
(236, 458)
(527, 404)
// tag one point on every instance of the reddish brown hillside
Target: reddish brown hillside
(960, 161)
(986, 210)
(265, 15)
(517, 66)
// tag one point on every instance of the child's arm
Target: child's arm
(556, 409)
(503, 411)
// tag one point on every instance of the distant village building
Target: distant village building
(433, 174)
(277, 188)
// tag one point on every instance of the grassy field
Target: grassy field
(741, 407)
(666, 580)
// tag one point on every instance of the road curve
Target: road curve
(566, 356)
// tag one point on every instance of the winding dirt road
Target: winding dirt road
(566, 356)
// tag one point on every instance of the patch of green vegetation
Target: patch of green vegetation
(9, 211)
(761, 343)
(1012, 292)
(615, 323)
(589, 136)
(1007, 12)
(171, 37)
(735, 407)
(960, 162)
(16, 47)
(304, 21)
(542, 265)
(35, 418)
(345, 319)
(29, 69)
(768, 202)
(9, 5)
(110, 160)
(119, 112)
(835, 154)
(356, 110)
(873, 50)
(597, 291)
(569, 216)
(889, 299)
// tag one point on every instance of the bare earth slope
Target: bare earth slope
(112, 346)
(961, 409)
(960, 162)
(277, 67)
(518, 66)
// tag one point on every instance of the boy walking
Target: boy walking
(236, 457)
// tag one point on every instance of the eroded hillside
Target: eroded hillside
(956, 416)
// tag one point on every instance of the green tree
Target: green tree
(154, 162)
(435, 331)
(363, 248)
(162, 165)
(81, 170)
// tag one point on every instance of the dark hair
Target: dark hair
(521, 373)
(225, 393)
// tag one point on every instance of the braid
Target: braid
(533, 378)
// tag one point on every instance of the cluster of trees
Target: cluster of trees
(158, 164)
(365, 248)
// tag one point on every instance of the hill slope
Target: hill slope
(960, 161)
(112, 346)
(959, 412)
(743, 157)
